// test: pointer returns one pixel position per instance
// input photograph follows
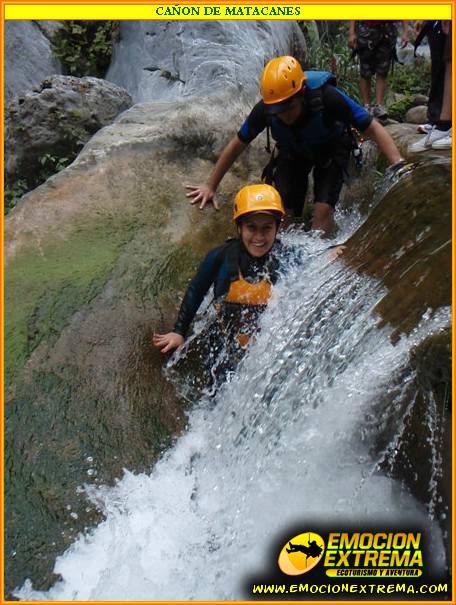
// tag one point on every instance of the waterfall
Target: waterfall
(287, 439)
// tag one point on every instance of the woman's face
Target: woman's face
(258, 233)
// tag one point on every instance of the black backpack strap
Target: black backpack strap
(267, 176)
(268, 139)
(314, 100)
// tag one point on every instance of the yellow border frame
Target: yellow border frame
(15, 9)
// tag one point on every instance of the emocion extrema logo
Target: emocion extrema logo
(301, 554)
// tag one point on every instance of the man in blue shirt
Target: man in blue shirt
(309, 118)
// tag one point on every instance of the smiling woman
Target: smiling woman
(234, 271)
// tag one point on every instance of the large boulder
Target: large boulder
(28, 55)
(57, 118)
(207, 57)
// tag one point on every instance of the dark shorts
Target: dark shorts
(291, 177)
(376, 47)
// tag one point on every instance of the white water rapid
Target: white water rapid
(283, 443)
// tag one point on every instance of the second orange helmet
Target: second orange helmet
(281, 79)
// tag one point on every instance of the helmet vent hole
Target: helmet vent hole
(293, 84)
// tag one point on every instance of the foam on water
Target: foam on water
(283, 441)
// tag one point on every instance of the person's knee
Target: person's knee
(323, 218)
(322, 210)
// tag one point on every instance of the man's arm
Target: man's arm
(206, 193)
(387, 146)
(349, 111)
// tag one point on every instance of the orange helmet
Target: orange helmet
(281, 79)
(258, 198)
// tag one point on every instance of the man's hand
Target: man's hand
(336, 252)
(167, 342)
(397, 170)
(202, 194)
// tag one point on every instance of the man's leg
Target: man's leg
(382, 63)
(328, 180)
(442, 137)
(436, 40)
(380, 89)
(291, 180)
(323, 218)
(365, 89)
(445, 114)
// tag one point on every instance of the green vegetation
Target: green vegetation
(331, 53)
(411, 79)
(14, 193)
(398, 109)
(85, 47)
(164, 73)
(48, 165)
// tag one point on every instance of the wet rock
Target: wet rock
(57, 118)
(420, 403)
(405, 242)
(207, 57)
(28, 56)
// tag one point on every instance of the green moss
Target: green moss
(43, 290)
(397, 110)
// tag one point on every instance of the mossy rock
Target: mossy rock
(398, 109)
(405, 243)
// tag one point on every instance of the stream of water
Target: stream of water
(283, 442)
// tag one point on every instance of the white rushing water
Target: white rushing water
(282, 443)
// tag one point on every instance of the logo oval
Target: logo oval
(301, 554)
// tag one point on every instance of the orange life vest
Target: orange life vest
(242, 292)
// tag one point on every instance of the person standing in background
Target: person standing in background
(375, 44)
(438, 129)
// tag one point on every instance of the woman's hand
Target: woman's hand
(167, 342)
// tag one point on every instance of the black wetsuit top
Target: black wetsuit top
(337, 107)
(221, 267)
